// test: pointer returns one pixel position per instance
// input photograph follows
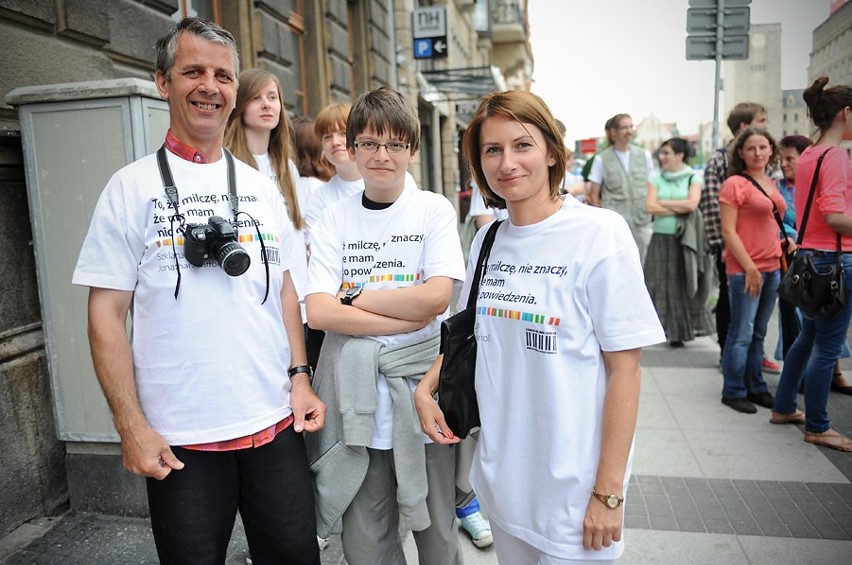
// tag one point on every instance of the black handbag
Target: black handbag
(816, 294)
(456, 385)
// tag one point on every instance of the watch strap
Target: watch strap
(605, 499)
(293, 371)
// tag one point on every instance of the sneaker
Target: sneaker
(322, 542)
(740, 405)
(764, 399)
(478, 528)
(770, 367)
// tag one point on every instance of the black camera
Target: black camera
(217, 241)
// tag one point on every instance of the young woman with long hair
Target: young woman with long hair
(819, 344)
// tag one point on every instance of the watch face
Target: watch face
(612, 501)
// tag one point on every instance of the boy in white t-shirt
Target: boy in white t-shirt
(380, 280)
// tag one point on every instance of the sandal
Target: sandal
(797, 417)
(841, 388)
(830, 438)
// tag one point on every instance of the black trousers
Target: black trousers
(193, 510)
(790, 325)
(723, 305)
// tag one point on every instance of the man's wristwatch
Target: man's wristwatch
(350, 295)
(293, 371)
(612, 501)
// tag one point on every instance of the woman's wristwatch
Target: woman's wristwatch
(612, 501)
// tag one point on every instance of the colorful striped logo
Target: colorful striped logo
(518, 315)
(245, 238)
(381, 278)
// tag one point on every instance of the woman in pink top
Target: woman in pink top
(752, 252)
(829, 223)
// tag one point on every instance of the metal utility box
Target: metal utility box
(75, 136)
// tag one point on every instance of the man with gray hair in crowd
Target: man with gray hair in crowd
(212, 391)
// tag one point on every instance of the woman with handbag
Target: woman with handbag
(826, 237)
(672, 199)
(749, 203)
(562, 313)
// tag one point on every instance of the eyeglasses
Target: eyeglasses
(373, 147)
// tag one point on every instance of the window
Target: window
(207, 9)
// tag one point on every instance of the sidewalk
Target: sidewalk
(709, 485)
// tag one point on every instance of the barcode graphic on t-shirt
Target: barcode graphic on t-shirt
(543, 342)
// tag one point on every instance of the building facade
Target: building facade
(795, 118)
(756, 79)
(323, 51)
(831, 53)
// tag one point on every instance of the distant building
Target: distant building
(795, 119)
(832, 46)
(830, 53)
(651, 132)
(758, 78)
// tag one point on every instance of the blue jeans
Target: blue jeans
(812, 356)
(743, 351)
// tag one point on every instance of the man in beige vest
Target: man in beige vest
(619, 179)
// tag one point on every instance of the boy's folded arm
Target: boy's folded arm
(325, 312)
(413, 303)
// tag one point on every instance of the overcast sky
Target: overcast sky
(596, 58)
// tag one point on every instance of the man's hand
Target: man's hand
(602, 525)
(308, 409)
(145, 452)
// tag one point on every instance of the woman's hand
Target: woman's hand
(431, 417)
(753, 282)
(790, 247)
(602, 525)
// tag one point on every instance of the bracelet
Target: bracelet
(293, 371)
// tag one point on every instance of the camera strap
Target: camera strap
(172, 194)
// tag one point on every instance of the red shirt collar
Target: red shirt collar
(183, 150)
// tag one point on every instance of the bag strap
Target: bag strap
(484, 252)
(811, 200)
(775, 211)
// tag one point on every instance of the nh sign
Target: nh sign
(429, 26)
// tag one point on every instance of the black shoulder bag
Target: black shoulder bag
(456, 387)
(816, 294)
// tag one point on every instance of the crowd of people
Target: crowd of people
(285, 352)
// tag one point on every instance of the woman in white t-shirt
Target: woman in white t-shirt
(562, 315)
(258, 134)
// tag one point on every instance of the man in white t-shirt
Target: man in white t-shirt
(382, 269)
(620, 177)
(200, 395)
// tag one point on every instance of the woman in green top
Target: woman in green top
(675, 252)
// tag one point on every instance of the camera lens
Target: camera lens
(232, 258)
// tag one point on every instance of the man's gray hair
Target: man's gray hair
(167, 45)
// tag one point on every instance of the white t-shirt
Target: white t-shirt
(401, 246)
(478, 207)
(211, 365)
(596, 171)
(334, 190)
(555, 295)
(299, 267)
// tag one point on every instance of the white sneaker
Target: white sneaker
(479, 529)
(322, 542)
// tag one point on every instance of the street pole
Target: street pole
(720, 41)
